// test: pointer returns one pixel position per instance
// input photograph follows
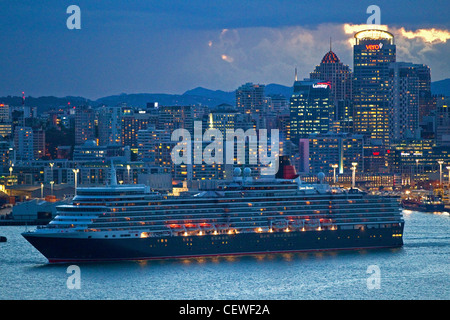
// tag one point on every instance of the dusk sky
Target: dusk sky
(173, 46)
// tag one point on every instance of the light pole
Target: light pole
(354, 164)
(51, 184)
(10, 173)
(448, 168)
(51, 166)
(440, 171)
(417, 169)
(334, 166)
(75, 171)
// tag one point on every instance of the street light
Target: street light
(448, 168)
(334, 166)
(10, 173)
(128, 169)
(440, 171)
(354, 164)
(51, 166)
(75, 171)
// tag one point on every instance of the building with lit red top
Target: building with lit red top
(340, 77)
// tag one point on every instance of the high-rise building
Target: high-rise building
(404, 97)
(373, 52)
(425, 96)
(132, 122)
(171, 118)
(250, 98)
(341, 149)
(39, 150)
(340, 77)
(443, 121)
(5, 121)
(155, 146)
(84, 124)
(309, 109)
(110, 126)
(222, 120)
(23, 143)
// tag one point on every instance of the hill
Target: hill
(196, 96)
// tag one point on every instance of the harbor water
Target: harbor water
(418, 270)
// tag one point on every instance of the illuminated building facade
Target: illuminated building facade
(109, 126)
(340, 77)
(373, 52)
(340, 149)
(443, 121)
(404, 97)
(309, 109)
(250, 98)
(84, 124)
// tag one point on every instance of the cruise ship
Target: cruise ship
(241, 217)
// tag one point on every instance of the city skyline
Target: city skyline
(151, 48)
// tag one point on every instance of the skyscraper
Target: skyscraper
(84, 124)
(340, 77)
(110, 126)
(250, 98)
(24, 143)
(309, 109)
(373, 52)
(443, 121)
(404, 100)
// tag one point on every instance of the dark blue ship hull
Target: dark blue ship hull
(69, 250)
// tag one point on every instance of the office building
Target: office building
(110, 126)
(309, 109)
(84, 124)
(342, 149)
(373, 52)
(443, 121)
(404, 97)
(250, 98)
(24, 143)
(340, 78)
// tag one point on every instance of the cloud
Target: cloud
(227, 58)
(427, 35)
(270, 55)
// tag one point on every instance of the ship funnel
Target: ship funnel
(285, 169)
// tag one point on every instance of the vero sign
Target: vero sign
(374, 46)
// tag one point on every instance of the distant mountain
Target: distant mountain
(441, 87)
(273, 89)
(45, 103)
(197, 96)
(219, 95)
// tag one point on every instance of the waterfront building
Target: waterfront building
(373, 52)
(329, 149)
(443, 121)
(309, 108)
(404, 100)
(340, 78)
